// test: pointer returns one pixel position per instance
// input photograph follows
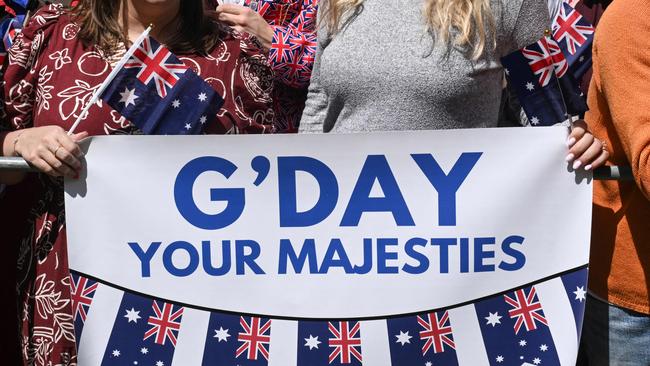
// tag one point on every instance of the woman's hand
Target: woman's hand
(245, 19)
(49, 149)
(584, 149)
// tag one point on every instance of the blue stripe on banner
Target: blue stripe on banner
(426, 339)
(144, 332)
(237, 340)
(575, 284)
(333, 343)
(515, 329)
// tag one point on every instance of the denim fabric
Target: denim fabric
(613, 336)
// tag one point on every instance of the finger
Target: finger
(68, 145)
(580, 147)
(59, 166)
(600, 161)
(44, 167)
(592, 152)
(68, 152)
(578, 130)
(229, 19)
(79, 136)
(230, 9)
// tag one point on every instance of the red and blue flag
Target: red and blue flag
(160, 95)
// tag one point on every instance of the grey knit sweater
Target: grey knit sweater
(384, 72)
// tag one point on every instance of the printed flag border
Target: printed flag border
(294, 318)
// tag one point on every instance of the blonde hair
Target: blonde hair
(471, 21)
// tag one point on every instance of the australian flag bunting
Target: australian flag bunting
(82, 291)
(537, 324)
(425, 339)
(539, 75)
(160, 95)
(237, 340)
(322, 343)
(575, 36)
(515, 329)
(144, 332)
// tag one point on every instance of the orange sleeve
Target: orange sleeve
(622, 76)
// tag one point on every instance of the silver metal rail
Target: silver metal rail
(602, 173)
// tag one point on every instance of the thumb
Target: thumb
(79, 136)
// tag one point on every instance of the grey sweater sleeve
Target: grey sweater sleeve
(313, 116)
(317, 107)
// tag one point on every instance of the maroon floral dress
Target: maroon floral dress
(49, 78)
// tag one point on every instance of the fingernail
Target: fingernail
(571, 141)
(576, 164)
(588, 167)
(570, 157)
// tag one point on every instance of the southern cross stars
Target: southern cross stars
(203, 97)
(132, 315)
(580, 293)
(116, 353)
(176, 103)
(403, 338)
(312, 342)
(530, 86)
(493, 319)
(128, 97)
(221, 334)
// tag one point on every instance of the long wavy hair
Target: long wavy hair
(99, 22)
(463, 23)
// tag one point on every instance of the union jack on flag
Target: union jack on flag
(345, 340)
(81, 292)
(255, 337)
(545, 58)
(156, 64)
(570, 28)
(165, 323)
(437, 332)
(526, 309)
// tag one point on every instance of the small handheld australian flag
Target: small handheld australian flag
(159, 94)
(538, 75)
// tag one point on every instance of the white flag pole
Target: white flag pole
(110, 78)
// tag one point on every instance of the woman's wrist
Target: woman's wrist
(9, 142)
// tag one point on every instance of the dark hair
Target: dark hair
(99, 22)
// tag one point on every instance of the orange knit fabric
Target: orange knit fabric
(619, 98)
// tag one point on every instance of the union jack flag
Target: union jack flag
(81, 292)
(545, 58)
(570, 28)
(256, 337)
(156, 64)
(345, 340)
(526, 309)
(437, 332)
(281, 49)
(165, 323)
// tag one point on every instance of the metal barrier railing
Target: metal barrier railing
(602, 173)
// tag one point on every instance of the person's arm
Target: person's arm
(622, 75)
(291, 47)
(315, 115)
(47, 148)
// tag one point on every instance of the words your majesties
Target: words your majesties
(415, 255)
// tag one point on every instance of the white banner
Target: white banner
(287, 248)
